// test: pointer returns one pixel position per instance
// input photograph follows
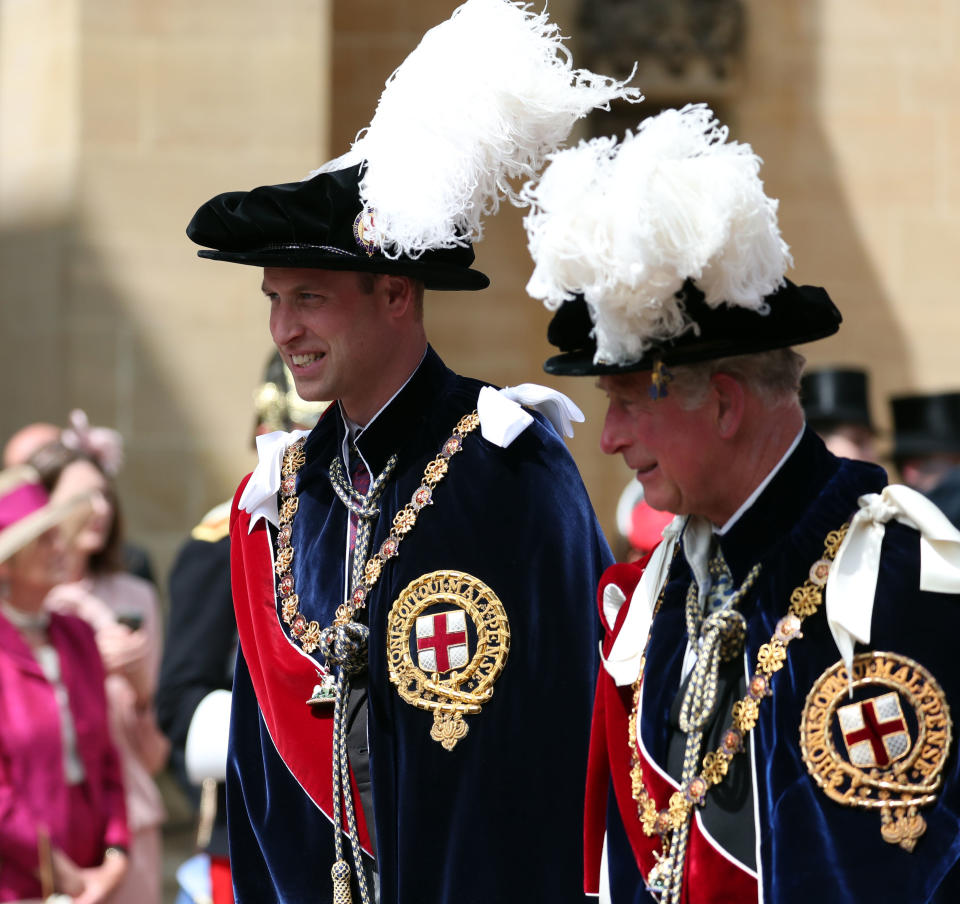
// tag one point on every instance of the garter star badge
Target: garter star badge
(364, 231)
(883, 749)
(431, 629)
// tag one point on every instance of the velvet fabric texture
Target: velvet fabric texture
(808, 847)
(82, 820)
(499, 817)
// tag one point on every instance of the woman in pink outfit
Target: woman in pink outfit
(62, 817)
(124, 613)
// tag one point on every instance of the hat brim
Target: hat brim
(798, 314)
(826, 419)
(23, 532)
(917, 445)
(432, 275)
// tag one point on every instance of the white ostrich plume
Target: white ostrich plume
(626, 224)
(480, 102)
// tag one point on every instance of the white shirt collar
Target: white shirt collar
(755, 495)
(353, 430)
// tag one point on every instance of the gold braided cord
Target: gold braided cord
(308, 633)
(666, 877)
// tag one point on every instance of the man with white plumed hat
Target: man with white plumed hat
(771, 720)
(412, 692)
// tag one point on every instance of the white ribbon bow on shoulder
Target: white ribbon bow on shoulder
(852, 582)
(502, 419)
(259, 496)
(623, 663)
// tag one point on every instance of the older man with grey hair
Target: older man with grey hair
(771, 719)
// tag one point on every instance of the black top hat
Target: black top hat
(317, 223)
(796, 314)
(926, 425)
(835, 396)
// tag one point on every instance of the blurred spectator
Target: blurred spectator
(100, 442)
(27, 440)
(926, 447)
(638, 524)
(837, 407)
(197, 671)
(62, 821)
(124, 613)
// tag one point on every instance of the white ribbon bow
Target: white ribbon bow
(623, 663)
(259, 496)
(852, 581)
(502, 419)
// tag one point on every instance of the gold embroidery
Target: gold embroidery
(804, 601)
(449, 690)
(884, 767)
(310, 634)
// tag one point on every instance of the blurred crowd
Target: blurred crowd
(94, 702)
(79, 744)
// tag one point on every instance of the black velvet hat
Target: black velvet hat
(926, 425)
(833, 396)
(317, 223)
(797, 314)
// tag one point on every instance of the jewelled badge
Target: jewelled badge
(365, 232)
(884, 748)
(447, 643)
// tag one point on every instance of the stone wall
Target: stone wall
(117, 119)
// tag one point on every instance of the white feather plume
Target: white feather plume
(480, 102)
(626, 224)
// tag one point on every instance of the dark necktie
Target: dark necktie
(360, 479)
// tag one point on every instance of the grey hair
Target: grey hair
(773, 375)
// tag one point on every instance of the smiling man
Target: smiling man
(413, 633)
(771, 721)
(413, 686)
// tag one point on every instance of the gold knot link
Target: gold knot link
(404, 520)
(293, 460)
(284, 560)
(714, 767)
(291, 605)
(435, 471)
(648, 817)
(371, 571)
(467, 423)
(289, 509)
(310, 639)
(834, 539)
(745, 713)
(678, 810)
(771, 656)
(805, 600)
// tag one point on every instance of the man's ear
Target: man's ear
(730, 399)
(398, 292)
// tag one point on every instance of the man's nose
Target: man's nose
(284, 324)
(612, 437)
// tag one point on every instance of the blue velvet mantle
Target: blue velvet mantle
(498, 818)
(810, 848)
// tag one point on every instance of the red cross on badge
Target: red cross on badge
(442, 641)
(874, 731)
